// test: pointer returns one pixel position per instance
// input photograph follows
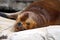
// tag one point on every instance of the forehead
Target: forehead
(30, 20)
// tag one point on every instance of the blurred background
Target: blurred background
(10, 6)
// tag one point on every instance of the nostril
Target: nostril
(19, 24)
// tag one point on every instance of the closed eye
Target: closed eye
(28, 23)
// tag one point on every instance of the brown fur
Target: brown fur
(39, 14)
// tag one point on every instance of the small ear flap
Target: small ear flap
(24, 16)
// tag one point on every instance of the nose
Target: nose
(19, 24)
(19, 27)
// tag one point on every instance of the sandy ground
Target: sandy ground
(6, 26)
(46, 33)
(5, 23)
